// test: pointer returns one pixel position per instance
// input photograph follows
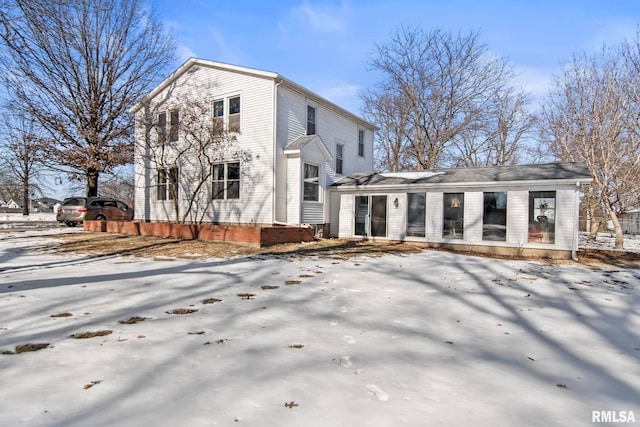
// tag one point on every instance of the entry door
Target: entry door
(379, 216)
(371, 216)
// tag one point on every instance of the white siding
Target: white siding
(330, 127)
(205, 84)
(517, 217)
(313, 213)
(294, 190)
(434, 216)
(397, 217)
(565, 218)
(473, 209)
(347, 215)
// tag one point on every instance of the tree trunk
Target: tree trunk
(92, 183)
(618, 230)
(593, 230)
(25, 196)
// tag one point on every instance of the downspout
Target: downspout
(576, 228)
(275, 152)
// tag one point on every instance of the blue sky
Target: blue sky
(326, 45)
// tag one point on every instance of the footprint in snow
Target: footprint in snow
(349, 339)
(377, 392)
(345, 361)
(343, 309)
(333, 323)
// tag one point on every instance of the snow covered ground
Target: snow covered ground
(433, 338)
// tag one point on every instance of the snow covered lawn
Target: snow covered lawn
(432, 338)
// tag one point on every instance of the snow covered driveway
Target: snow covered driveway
(426, 339)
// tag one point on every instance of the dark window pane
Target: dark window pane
(234, 105)
(311, 120)
(173, 129)
(379, 216)
(453, 216)
(217, 190)
(311, 192)
(416, 214)
(233, 190)
(494, 217)
(233, 171)
(218, 108)
(162, 128)
(362, 216)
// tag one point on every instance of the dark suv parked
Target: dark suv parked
(74, 210)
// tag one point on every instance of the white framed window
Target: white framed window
(542, 216)
(161, 128)
(218, 116)
(453, 216)
(225, 181)
(167, 184)
(226, 111)
(234, 114)
(174, 125)
(311, 183)
(494, 216)
(361, 142)
(416, 214)
(339, 158)
(311, 120)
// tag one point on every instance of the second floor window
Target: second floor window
(311, 120)
(161, 128)
(234, 114)
(174, 125)
(167, 184)
(226, 181)
(226, 110)
(218, 116)
(339, 157)
(360, 143)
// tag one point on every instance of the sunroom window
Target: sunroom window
(542, 216)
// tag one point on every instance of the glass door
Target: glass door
(362, 216)
(371, 216)
(379, 216)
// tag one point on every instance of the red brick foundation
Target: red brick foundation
(255, 235)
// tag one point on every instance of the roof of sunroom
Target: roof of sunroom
(577, 171)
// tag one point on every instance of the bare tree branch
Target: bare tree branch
(78, 66)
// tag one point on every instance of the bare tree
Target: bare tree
(119, 185)
(187, 150)
(77, 67)
(591, 116)
(10, 188)
(392, 147)
(446, 83)
(22, 155)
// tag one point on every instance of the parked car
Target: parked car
(75, 210)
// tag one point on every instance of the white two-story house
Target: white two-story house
(230, 145)
(224, 144)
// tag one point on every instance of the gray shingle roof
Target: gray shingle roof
(550, 171)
